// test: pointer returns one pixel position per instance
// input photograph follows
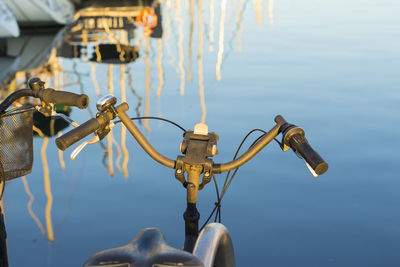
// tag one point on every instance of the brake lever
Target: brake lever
(311, 169)
(96, 138)
(64, 117)
(314, 174)
(79, 148)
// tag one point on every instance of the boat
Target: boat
(8, 22)
(28, 52)
(103, 32)
(42, 12)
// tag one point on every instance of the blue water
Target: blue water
(329, 66)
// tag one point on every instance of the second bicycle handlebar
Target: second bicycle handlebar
(64, 98)
(47, 95)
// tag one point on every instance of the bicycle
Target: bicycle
(16, 135)
(213, 245)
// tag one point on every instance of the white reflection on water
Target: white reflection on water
(271, 11)
(200, 62)
(123, 128)
(180, 45)
(29, 205)
(221, 39)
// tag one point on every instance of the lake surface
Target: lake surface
(331, 67)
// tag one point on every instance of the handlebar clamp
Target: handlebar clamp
(197, 148)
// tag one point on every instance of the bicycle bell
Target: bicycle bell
(106, 102)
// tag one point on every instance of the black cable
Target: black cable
(217, 204)
(209, 217)
(279, 143)
(216, 214)
(156, 118)
(225, 187)
(228, 180)
(253, 144)
(216, 185)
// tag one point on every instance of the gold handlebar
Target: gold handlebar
(218, 168)
(121, 113)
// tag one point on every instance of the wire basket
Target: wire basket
(16, 148)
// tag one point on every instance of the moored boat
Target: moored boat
(8, 22)
(42, 12)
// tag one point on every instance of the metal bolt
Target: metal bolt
(207, 174)
(179, 171)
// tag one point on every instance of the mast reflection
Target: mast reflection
(200, 62)
(47, 186)
(160, 68)
(259, 11)
(180, 46)
(123, 128)
(147, 83)
(29, 205)
(271, 11)
(211, 33)
(191, 26)
(221, 39)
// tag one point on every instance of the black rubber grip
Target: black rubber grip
(300, 144)
(64, 98)
(73, 136)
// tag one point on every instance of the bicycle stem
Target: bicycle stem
(191, 214)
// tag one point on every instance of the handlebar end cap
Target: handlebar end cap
(321, 168)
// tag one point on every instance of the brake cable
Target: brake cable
(228, 179)
(156, 118)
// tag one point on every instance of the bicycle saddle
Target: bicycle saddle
(147, 249)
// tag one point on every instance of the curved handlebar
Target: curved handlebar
(121, 110)
(217, 168)
(293, 137)
(265, 140)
